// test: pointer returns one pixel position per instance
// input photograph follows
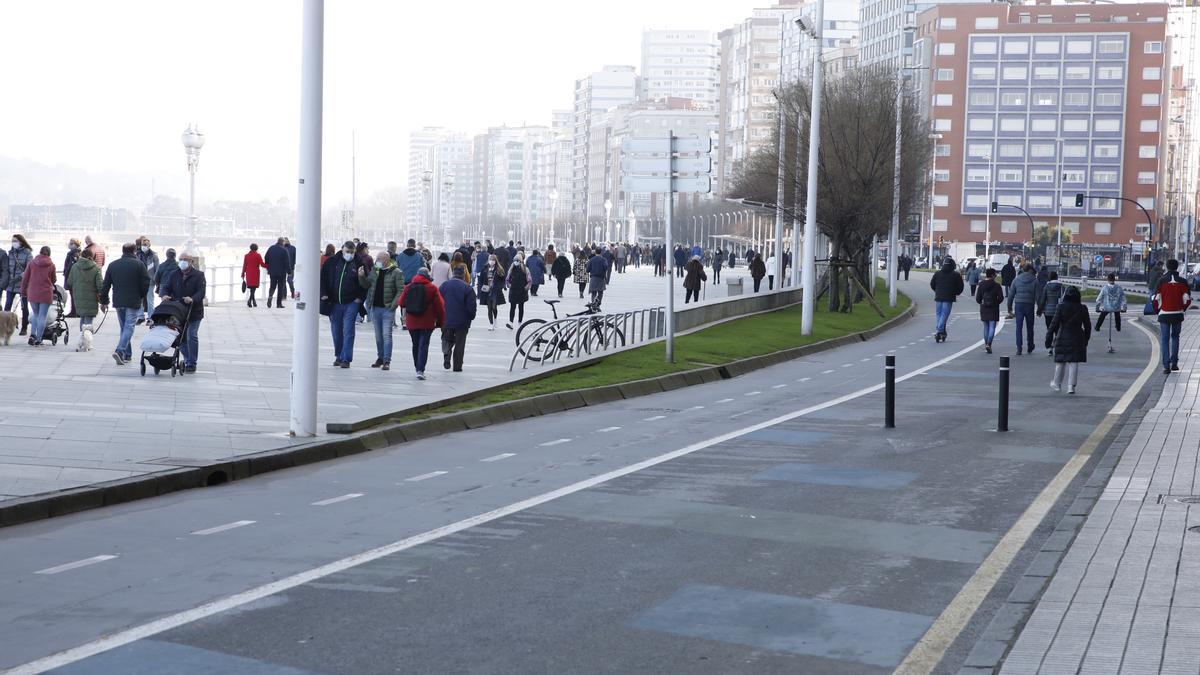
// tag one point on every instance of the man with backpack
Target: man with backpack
(1171, 301)
(423, 312)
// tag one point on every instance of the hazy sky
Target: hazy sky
(111, 85)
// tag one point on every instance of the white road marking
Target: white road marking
(557, 441)
(912, 343)
(752, 393)
(864, 360)
(804, 379)
(744, 412)
(651, 419)
(222, 528)
(503, 455)
(779, 386)
(847, 365)
(826, 372)
(335, 500)
(696, 407)
(903, 346)
(725, 400)
(426, 476)
(76, 565)
(607, 429)
(930, 649)
(185, 617)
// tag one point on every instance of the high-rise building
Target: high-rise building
(514, 176)
(1037, 103)
(883, 23)
(610, 87)
(679, 64)
(556, 166)
(840, 26)
(442, 199)
(420, 143)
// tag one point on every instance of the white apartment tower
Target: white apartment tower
(680, 64)
(610, 87)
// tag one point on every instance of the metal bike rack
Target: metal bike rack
(637, 326)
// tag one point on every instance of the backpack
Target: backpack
(414, 301)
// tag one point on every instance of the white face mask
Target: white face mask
(145, 249)
(347, 256)
(183, 264)
(378, 265)
(16, 244)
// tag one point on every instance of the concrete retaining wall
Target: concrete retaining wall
(700, 315)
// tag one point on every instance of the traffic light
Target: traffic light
(1079, 200)
(995, 206)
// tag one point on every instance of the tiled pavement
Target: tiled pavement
(69, 419)
(1126, 596)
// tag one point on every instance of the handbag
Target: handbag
(1148, 310)
(326, 307)
(486, 288)
(243, 285)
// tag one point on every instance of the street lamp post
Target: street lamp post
(808, 273)
(553, 207)
(607, 220)
(632, 227)
(448, 184)
(427, 181)
(193, 140)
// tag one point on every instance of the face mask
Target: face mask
(183, 264)
(491, 263)
(347, 256)
(145, 249)
(16, 245)
(378, 265)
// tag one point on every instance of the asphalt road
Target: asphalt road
(762, 524)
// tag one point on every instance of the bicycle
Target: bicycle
(562, 337)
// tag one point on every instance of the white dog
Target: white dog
(85, 341)
(8, 325)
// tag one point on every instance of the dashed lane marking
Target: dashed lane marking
(222, 528)
(804, 379)
(752, 393)
(864, 360)
(335, 500)
(557, 441)
(653, 418)
(826, 372)
(607, 429)
(76, 565)
(779, 386)
(725, 400)
(426, 476)
(503, 455)
(696, 407)
(847, 365)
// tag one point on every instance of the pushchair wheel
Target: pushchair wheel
(66, 338)
(143, 366)
(172, 371)
(54, 339)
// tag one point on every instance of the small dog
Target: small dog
(8, 325)
(85, 341)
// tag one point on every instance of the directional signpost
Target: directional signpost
(667, 165)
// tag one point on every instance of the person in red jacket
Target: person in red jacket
(423, 312)
(1171, 300)
(252, 266)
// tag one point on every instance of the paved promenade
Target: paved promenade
(69, 419)
(1126, 597)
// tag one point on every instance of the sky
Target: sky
(110, 86)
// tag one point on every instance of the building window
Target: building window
(1106, 151)
(977, 201)
(1043, 124)
(1011, 176)
(1078, 73)
(1075, 125)
(1012, 98)
(1012, 150)
(1017, 46)
(941, 200)
(1148, 151)
(1015, 72)
(1045, 98)
(977, 175)
(947, 23)
(939, 225)
(983, 47)
(1151, 73)
(1109, 72)
(1146, 202)
(943, 99)
(982, 150)
(945, 49)
(1103, 228)
(1075, 98)
(987, 23)
(942, 125)
(945, 74)
(1075, 150)
(1041, 176)
(941, 175)
(1008, 226)
(983, 72)
(1045, 73)
(1104, 176)
(978, 225)
(1045, 18)
(1079, 46)
(1083, 18)
(1040, 201)
(1012, 124)
(983, 98)
(1041, 150)
(941, 150)
(979, 124)
(1072, 227)
(1105, 203)
(1023, 17)
(1108, 98)
(1150, 99)
(1045, 47)
(1106, 125)
(1147, 177)
(1110, 46)
(1073, 176)
(1152, 47)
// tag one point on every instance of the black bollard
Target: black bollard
(889, 391)
(1002, 418)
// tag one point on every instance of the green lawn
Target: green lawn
(718, 345)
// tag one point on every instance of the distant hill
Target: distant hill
(24, 181)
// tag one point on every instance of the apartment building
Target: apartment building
(610, 87)
(679, 64)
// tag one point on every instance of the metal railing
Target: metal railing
(224, 283)
(540, 341)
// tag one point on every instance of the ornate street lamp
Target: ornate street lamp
(193, 140)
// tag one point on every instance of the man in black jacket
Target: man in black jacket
(128, 280)
(278, 263)
(188, 286)
(343, 294)
(291, 274)
(1008, 274)
(947, 285)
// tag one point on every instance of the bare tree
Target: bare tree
(856, 161)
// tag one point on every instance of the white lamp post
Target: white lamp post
(448, 184)
(632, 227)
(427, 181)
(193, 140)
(607, 220)
(553, 207)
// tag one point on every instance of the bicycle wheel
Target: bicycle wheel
(600, 332)
(536, 349)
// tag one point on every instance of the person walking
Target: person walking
(439, 271)
(693, 279)
(423, 312)
(717, 260)
(341, 295)
(1049, 297)
(906, 264)
(252, 264)
(1008, 274)
(1171, 301)
(680, 258)
(128, 281)
(188, 287)
(973, 272)
(621, 255)
(166, 269)
(758, 270)
(329, 252)
(947, 285)
(37, 284)
(459, 261)
(580, 269)
(1070, 330)
(989, 295)
(518, 283)
(20, 254)
(383, 283)
(84, 284)
(277, 261)
(73, 250)
(1111, 300)
(489, 285)
(1024, 299)
(536, 265)
(597, 269)
(148, 258)
(410, 261)
(460, 305)
(96, 249)
(291, 275)
(561, 271)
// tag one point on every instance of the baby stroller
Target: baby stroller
(168, 326)
(56, 320)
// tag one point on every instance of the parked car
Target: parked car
(997, 261)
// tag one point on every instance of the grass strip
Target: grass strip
(717, 345)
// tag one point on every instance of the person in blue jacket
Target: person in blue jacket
(279, 262)
(536, 265)
(597, 268)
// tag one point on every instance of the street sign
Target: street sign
(662, 184)
(664, 164)
(659, 146)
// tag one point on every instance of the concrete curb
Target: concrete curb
(385, 433)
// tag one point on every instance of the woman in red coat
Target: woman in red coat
(252, 265)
